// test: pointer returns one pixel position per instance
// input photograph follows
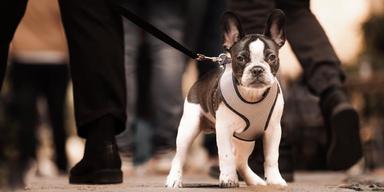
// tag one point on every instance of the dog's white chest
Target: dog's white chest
(256, 115)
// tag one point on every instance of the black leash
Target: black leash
(164, 37)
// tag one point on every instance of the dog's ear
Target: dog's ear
(275, 27)
(232, 31)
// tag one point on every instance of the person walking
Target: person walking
(96, 53)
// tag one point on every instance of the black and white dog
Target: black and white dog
(240, 102)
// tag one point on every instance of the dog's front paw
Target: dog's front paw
(273, 177)
(174, 181)
(229, 180)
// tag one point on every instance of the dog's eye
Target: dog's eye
(240, 58)
(271, 57)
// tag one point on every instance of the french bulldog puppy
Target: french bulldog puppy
(240, 101)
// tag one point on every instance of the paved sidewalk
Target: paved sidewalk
(311, 182)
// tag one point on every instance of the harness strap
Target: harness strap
(255, 114)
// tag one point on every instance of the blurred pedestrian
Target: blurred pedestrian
(166, 69)
(39, 59)
(95, 40)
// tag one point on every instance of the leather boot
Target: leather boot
(342, 121)
(101, 163)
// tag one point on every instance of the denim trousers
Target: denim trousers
(165, 74)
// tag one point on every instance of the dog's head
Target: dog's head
(255, 60)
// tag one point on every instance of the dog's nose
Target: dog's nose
(257, 70)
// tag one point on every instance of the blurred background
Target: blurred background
(356, 30)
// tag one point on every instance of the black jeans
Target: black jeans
(204, 30)
(307, 38)
(166, 68)
(95, 41)
(28, 83)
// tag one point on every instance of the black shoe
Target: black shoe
(83, 173)
(101, 163)
(342, 120)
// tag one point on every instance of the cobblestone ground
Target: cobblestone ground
(305, 181)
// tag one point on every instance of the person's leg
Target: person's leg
(209, 37)
(168, 66)
(55, 92)
(11, 12)
(324, 77)
(253, 14)
(204, 32)
(310, 44)
(95, 41)
(24, 91)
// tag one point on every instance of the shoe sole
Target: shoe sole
(107, 176)
(345, 148)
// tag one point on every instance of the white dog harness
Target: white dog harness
(255, 114)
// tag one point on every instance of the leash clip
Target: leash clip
(221, 59)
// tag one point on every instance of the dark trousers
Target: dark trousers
(204, 30)
(95, 41)
(28, 82)
(165, 70)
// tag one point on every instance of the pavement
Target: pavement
(304, 181)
